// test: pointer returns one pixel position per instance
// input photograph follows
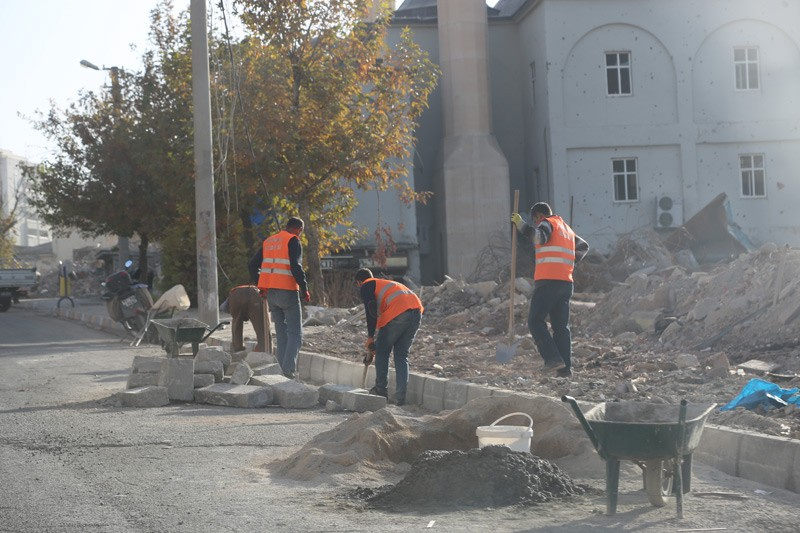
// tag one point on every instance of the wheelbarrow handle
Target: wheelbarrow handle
(215, 328)
(582, 419)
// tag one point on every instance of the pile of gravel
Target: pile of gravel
(493, 476)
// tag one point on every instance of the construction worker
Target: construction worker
(395, 311)
(558, 250)
(283, 280)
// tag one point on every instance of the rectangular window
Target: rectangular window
(745, 62)
(618, 73)
(751, 168)
(626, 187)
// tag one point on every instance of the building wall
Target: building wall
(29, 230)
(685, 122)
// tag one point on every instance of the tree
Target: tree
(331, 108)
(8, 220)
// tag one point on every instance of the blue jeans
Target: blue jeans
(395, 336)
(551, 297)
(284, 309)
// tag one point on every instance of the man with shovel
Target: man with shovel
(558, 250)
(395, 311)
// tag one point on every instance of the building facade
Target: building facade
(29, 230)
(625, 114)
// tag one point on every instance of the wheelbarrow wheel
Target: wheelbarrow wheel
(658, 476)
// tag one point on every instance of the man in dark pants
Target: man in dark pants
(396, 312)
(284, 281)
(558, 250)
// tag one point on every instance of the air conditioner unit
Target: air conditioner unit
(669, 212)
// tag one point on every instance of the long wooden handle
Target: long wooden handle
(513, 270)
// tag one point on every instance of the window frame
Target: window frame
(746, 62)
(625, 174)
(619, 68)
(752, 169)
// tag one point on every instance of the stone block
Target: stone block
(687, 360)
(255, 359)
(348, 373)
(142, 380)
(268, 380)
(203, 380)
(777, 470)
(146, 364)
(144, 397)
(334, 392)
(238, 357)
(213, 353)
(177, 375)
(214, 368)
(291, 394)
(268, 370)
(242, 374)
(361, 402)
(317, 374)
(333, 407)
(415, 388)
(304, 365)
(719, 448)
(455, 394)
(245, 396)
(755, 366)
(330, 370)
(477, 391)
(433, 393)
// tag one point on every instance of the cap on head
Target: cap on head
(363, 274)
(541, 208)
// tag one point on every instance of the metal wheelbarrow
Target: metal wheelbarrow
(176, 332)
(659, 438)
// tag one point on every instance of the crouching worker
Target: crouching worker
(395, 311)
(245, 303)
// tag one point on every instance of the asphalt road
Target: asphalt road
(72, 460)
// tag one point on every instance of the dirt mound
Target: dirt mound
(493, 476)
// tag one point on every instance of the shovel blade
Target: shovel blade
(505, 352)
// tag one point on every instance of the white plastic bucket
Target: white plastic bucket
(518, 438)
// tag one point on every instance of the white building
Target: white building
(604, 107)
(29, 230)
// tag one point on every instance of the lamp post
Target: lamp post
(116, 95)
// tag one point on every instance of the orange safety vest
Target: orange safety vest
(393, 300)
(276, 271)
(555, 259)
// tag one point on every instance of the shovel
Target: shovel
(506, 351)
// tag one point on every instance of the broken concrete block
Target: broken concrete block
(334, 392)
(268, 380)
(719, 360)
(142, 380)
(523, 286)
(255, 359)
(333, 407)
(177, 375)
(294, 395)
(242, 374)
(702, 308)
(484, 288)
(203, 380)
(686, 360)
(144, 397)
(361, 402)
(147, 365)
(457, 319)
(756, 366)
(213, 353)
(246, 396)
(210, 367)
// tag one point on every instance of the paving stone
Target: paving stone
(177, 375)
(361, 402)
(143, 364)
(268, 380)
(142, 380)
(266, 370)
(755, 366)
(433, 393)
(333, 407)
(203, 380)
(291, 394)
(242, 374)
(335, 392)
(255, 359)
(455, 394)
(213, 353)
(144, 397)
(246, 396)
(214, 368)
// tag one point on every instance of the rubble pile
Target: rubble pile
(86, 282)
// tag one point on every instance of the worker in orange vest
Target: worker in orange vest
(558, 250)
(282, 279)
(395, 311)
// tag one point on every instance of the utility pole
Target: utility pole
(207, 290)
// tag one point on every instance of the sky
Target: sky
(43, 42)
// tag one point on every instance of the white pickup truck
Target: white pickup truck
(14, 283)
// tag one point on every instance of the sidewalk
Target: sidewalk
(773, 461)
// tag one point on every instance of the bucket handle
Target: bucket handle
(530, 420)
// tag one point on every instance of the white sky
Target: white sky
(42, 43)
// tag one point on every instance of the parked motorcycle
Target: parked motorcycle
(128, 301)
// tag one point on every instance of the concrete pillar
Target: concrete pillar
(475, 175)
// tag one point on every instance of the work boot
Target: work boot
(564, 373)
(399, 401)
(375, 391)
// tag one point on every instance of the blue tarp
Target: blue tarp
(759, 392)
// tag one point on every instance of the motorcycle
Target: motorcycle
(128, 301)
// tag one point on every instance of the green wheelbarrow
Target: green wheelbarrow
(176, 332)
(659, 438)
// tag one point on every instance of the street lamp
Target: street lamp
(122, 242)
